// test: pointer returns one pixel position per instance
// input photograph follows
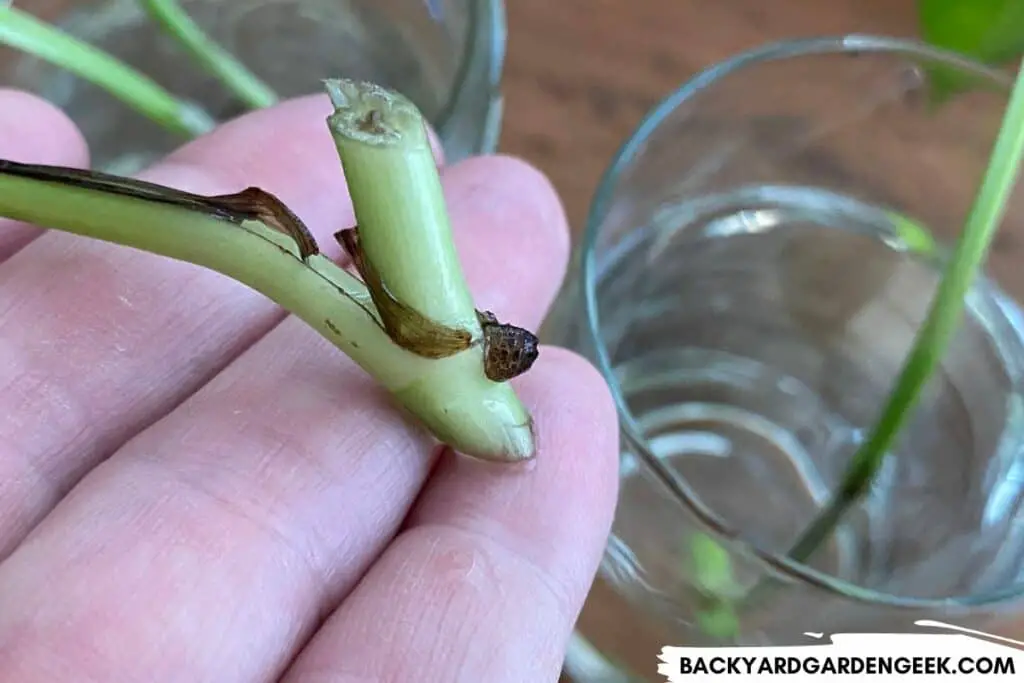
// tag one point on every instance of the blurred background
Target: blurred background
(580, 74)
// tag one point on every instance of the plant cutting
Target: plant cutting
(441, 360)
(990, 31)
(23, 31)
(939, 326)
(410, 322)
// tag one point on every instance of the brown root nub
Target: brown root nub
(509, 351)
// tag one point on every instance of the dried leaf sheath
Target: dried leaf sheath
(249, 204)
(509, 351)
(253, 203)
(405, 326)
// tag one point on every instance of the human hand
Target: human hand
(194, 487)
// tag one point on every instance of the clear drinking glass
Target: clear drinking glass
(756, 263)
(446, 55)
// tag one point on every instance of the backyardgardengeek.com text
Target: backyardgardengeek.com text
(883, 665)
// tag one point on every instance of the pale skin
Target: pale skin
(195, 487)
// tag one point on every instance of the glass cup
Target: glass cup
(756, 264)
(446, 55)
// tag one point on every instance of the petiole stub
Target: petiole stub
(250, 204)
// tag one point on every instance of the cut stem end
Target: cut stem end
(370, 114)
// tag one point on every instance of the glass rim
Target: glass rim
(589, 273)
(479, 57)
(486, 17)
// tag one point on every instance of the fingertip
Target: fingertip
(510, 550)
(34, 130)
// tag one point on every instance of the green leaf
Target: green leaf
(990, 31)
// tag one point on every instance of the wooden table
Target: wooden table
(581, 73)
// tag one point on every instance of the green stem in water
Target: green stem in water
(930, 343)
(939, 327)
(233, 74)
(405, 234)
(23, 31)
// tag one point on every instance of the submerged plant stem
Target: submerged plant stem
(232, 73)
(939, 327)
(929, 347)
(25, 32)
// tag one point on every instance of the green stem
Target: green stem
(232, 73)
(425, 272)
(940, 325)
(405, 231)
(23, 31)
(450, 395)
(316, 290)
(929, 347)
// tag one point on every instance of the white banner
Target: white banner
(962, 654)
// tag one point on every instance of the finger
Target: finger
(97, 340)
(235, 523)
(490, 573)
(33, 131)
